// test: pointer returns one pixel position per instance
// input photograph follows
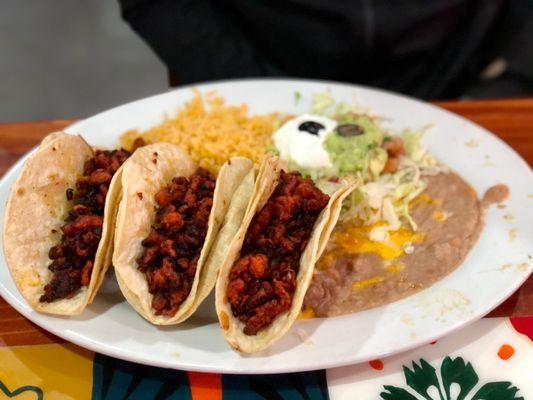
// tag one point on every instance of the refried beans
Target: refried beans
(172, 249)
(73, 258)
(449, 216)
(262, 281)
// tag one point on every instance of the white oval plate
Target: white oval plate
(494, 269)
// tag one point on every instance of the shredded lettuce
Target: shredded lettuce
(271, 149)
(384, 198)
(297, 97)
(377, 159)
(417, 154)
(324, 104)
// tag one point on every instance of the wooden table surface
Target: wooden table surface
(511, 120)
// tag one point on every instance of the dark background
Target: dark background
(71, 59)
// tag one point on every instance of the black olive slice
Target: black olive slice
(348, 130)
(311, 127)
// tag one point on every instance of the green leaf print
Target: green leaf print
(457, 371)
(396, 393)
(497, 391)
(423, 376)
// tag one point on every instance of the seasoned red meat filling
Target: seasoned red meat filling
(263, 280)
(73, 257)
(172, 248)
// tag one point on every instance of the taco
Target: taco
(269, 264)
(174, 224)
(59, 220)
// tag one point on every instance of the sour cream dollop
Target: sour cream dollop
(305, 147)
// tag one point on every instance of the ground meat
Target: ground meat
(73, 257)
(263, 280)
(172, 248)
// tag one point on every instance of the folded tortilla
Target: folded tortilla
(35, 213)
(146, 172)
(232, 328)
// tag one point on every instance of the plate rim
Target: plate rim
(27, 312)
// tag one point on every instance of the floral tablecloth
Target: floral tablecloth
(491, 359)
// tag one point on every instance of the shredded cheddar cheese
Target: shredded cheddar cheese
(352, 239)
(440, 216)
(367, 282)
(393, 268)
(212, 132)
(424, 199)
(306, 313)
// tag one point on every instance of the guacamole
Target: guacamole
(357, 154)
